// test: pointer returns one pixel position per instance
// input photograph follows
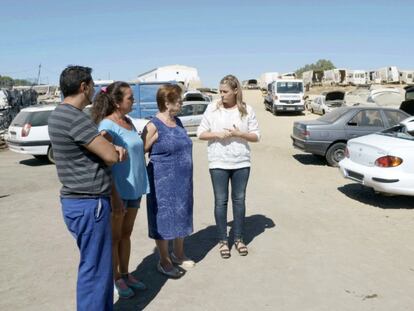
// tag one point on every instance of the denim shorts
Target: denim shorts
(132, 203)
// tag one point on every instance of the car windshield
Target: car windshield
(398, 131)
(333, 115)
(148, 93)
(34, 118)
(289, 87)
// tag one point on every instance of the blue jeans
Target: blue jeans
(88, 220)
(238, 179)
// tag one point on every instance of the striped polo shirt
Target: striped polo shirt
(82, 173)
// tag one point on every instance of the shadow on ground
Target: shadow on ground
(368, 196)
(197, 247)
(310, 159)
(35, 162)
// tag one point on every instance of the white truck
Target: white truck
(285, 95)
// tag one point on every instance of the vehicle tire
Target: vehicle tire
(312, 110)
(274, 111)
(323, 112)
(266, 107)
(335, 153)
(50, 156)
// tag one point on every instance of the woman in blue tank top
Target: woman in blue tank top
(129, 178)
(170, 173)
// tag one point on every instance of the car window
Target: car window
(21, 118)
(367, 118)
(148, 93)
(333, 115)
(40, 118)
(199, 109)
(394, 117)
(186, 110)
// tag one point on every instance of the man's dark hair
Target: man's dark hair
(72, 77)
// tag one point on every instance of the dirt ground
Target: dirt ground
(317, 241)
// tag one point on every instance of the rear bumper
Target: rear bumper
(29, 147)
(314, 147)
(387, 180)
(279, 107)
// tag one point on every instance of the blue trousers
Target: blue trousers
(238, 179)
(88, 220)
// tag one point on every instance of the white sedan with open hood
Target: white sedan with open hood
(383, 161)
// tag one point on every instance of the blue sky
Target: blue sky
(121, 39)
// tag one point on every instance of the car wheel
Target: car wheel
(323, 112)
(50, 156)
(312, 110)
(335, 154)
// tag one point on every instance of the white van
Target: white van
(285, 95)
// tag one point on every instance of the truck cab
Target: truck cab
(285, 95)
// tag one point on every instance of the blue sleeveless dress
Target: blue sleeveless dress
(170, 174)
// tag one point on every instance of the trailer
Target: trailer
(266, 78)
(312, 77)
(407, 76)
(357, 77)
(336, 76)
(389, 74)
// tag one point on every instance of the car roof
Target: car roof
(40, 107)
(198, 102)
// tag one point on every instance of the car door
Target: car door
(186, 116)
(364, 122)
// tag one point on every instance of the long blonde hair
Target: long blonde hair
(234, 83)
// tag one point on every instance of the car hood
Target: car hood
(335, 95)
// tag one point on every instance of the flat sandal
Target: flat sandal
(242, 250)
(224, 250)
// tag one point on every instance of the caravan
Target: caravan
(266, 78)
(407, 76)
(335, 77)
(357, 77)
(389, 75)
(312, 77)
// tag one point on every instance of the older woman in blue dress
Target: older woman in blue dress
(170, 173)
(130, 179)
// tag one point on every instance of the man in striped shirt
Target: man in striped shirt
(83, 158)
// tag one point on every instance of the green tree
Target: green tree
(7, 82)
(322, 64)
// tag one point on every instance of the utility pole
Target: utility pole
(38, 74)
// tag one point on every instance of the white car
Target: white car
(383, 161)
(190, 115)
(327, 102)
(28, 132)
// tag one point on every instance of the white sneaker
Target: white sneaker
(185, 263)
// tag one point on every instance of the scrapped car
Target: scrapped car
(408, 104)
(327, 102)
(383, 161)
(327, 135)
(28, 132)
(190, 115)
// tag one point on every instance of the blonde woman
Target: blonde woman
(229, 126)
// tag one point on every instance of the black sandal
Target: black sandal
(224, 250)
(242, 250)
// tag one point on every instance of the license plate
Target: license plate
(290, 108)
